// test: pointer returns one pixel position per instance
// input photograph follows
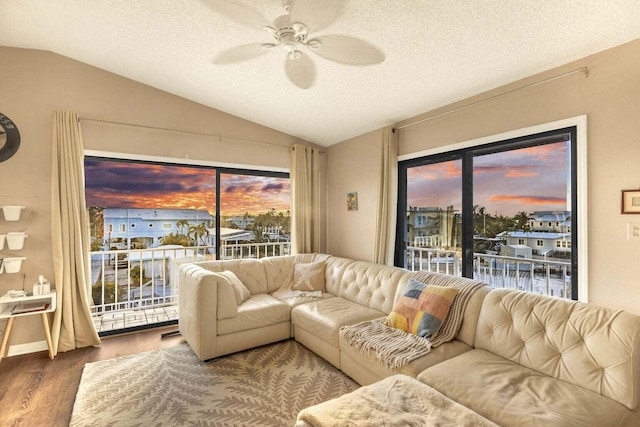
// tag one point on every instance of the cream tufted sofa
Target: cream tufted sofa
(214, 325)
(543, 361)
(520, 359)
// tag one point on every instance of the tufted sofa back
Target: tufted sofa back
(592, 347)
(370, 285)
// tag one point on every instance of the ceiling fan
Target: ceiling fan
(292, 32)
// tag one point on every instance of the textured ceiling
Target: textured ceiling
(437, 52)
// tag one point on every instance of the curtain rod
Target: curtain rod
(584, 70)
(220, 138)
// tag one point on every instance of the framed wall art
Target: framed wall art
(631, 201)
(352, 201)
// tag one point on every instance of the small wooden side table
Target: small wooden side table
(6, 306)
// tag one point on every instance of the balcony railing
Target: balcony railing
(535, 275)
(146, 279)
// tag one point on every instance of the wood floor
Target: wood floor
(37, 391)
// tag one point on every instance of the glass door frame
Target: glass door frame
(509, 140)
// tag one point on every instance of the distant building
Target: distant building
(431, 227)
(540, 242)
(554, 221)
(240, 222)
(518, 251)
(147, 226)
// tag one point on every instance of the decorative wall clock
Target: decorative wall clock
(9, 138)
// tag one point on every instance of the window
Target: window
(483, 198)
(165, 212)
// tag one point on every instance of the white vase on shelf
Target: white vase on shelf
(12, 213)
(15, 240)
(13, 264)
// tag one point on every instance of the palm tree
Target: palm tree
(182, 224)
(199, 232)
(521, 221)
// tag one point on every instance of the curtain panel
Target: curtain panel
(386, 211)
(305, 199)
(72, 325)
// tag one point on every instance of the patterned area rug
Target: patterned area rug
(265, 386)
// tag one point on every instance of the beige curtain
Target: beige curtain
(305, 199)
(72, 326)
(387, 198)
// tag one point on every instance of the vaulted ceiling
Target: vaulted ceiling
(437, 52)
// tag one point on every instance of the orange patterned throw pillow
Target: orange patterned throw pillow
(422, 308)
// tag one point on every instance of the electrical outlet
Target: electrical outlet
(633, 231)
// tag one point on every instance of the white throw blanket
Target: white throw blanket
(395, 348)
(398, 400)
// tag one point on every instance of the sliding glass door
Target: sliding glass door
(146, 218)
(501, 212)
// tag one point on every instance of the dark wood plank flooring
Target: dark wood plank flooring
(37, 391)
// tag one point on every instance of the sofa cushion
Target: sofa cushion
(325, 317)
(372, 285)
(511, 394)
(365, 368)
(250, 271)
(240, 291)
(421, 308)
(590, 346)
(308, 277)
(295, 298)
(258, 311)
(278, 271)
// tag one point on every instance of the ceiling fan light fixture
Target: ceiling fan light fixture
(314, 44)
(289, 46)
(294, 55)
(300, 29)
(291, 31)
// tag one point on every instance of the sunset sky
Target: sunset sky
(529, 179)
(138, 185)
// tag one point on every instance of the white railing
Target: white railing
(435, 260)
(533, 275)
(146, 278)
(254, 250)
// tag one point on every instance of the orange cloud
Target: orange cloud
(515, 173)
(444, 170)
(529, 200)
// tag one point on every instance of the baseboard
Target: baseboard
(30, 347)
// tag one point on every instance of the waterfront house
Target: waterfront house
(144, 228)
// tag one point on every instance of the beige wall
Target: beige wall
(35, 83)
(352, 167)
(610, 97)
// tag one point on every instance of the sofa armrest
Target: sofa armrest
(198, 308)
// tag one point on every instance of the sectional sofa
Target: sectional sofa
(516, 358)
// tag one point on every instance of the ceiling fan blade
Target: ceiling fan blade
(301, 71)
(242, 53)
(346, 50)
(238, 12)
(316, 14)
